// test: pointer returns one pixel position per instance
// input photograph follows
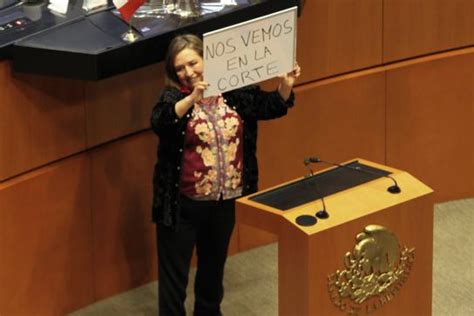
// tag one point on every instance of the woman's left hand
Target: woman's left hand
(289, 78)
(287, 81)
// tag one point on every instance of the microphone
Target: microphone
(394, 189)
(321, 214)
(310, 220)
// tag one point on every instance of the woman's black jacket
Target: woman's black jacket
(251, 103)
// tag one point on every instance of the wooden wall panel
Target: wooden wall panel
(337, 36)
(121, 105)
(45, 241)
(41, 120)
(418, 27)
(124, 235)
(336, 119)
(430, 114)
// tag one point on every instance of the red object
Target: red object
(128, 8)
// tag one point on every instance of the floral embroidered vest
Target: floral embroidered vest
(213, 153)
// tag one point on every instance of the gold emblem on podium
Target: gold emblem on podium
(375, 270)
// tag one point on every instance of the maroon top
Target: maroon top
(213, 153)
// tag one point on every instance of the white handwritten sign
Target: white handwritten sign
(250, 52)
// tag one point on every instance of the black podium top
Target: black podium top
(89, 46)
(319, 185)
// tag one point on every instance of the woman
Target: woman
(206, 159)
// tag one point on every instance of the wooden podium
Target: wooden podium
(322, 268)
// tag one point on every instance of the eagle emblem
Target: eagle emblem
(375, 270)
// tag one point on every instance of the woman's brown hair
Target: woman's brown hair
(179, 43)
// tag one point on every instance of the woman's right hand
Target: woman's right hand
(196, 95)
(198, 91)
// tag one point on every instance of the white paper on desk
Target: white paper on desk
(93, 4)
(211, 8)
(59, 6)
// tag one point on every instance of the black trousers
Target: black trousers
(208, 225)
